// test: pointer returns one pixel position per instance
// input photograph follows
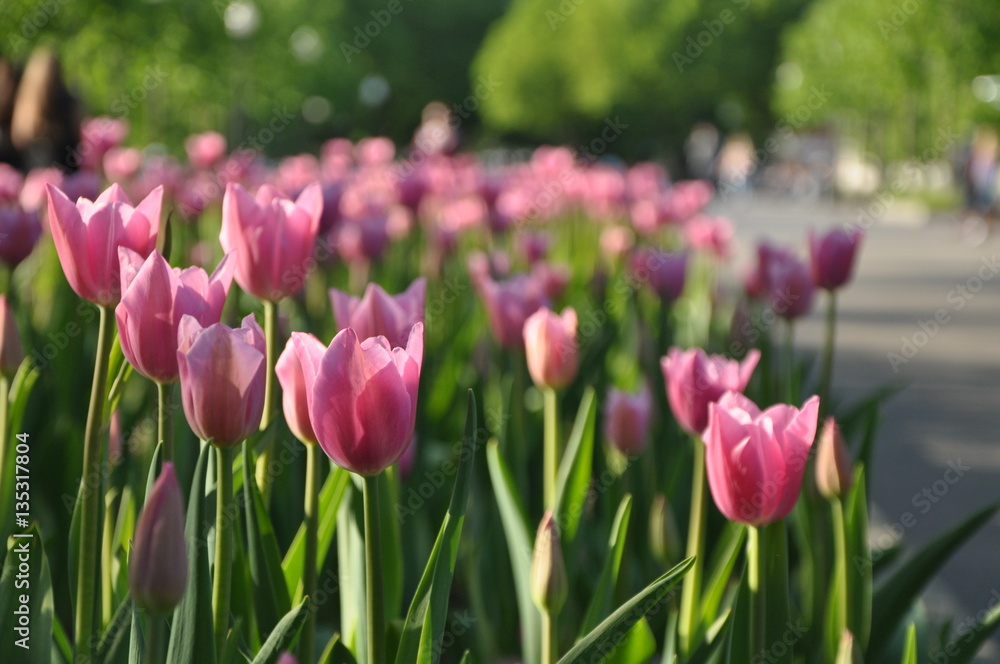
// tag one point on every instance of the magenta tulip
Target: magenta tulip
(158, 565)
(832, 256)
(294, 389)
(19, 233)
(665, 273)
(789, 285)
(508, 304)
(378, 313)
(11, 350)
(205, 150)
(694, 380)
(551, 347)
(273, 237)
(755, 459)
(155, 297)
(626, 420)
(222, 379)
(87, 236)
(363, 400)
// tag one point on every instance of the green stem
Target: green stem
(688, 625)
(757, 564)
(223, 546)
(827, 376)
(90, 486)
(551, 449)
(163, 391)
(840, 563)
(156, 639)
(271, 342)
(312, 526)
(5, 446)
(107, 556)
(550, 653)
(373, 573)
(790, 387)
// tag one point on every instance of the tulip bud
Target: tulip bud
(548, 571)
(834, 470)
(11, 352)
(551, 347)
(664, 538)
(287, 658)
(158, 567)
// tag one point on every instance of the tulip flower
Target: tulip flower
(155, 297)
(287, 658)
(508, 304)
(833, 255)
(294, 389)
(87, 236)
(11, 351)
(694, 380)
(713, 235)
(158, 565)
(205, 150)
(626, 420)
(789, 285)
(381, 314)
(222, 379)
(549, 586)
(755, 460)
(665, 273)
(273, 237)
(834, 470)
(551, 346)
(19, 233)
(363, 399)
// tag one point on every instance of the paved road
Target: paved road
(912, 269)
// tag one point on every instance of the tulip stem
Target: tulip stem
(840, 564)
(688, 626)
(757, 566)
(551, 450)
(550, 652)
(155, 639)
(162, 406)
(312, 524)
(271, 345)
(5, 446)
(223, 546)
(88, 572)
(373, 573)
(827, 376)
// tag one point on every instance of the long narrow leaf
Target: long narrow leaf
(600, 602)
(283, 635)
(964, 646)
(293, 564)
(26, 626)
(576, 469)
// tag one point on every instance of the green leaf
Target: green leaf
(576, 469)
(329, 503)
(284, 634)
(20, 390)
(63, 650)
(602, 641)
(778, 611)
(637, 647)
(727, 553)
(351, 567)
(392, 549)
(336, 653)
(113, 646)
(135, 641)
(191, 634)
(600, 602)
(119, 371)
(465, 658)
(425, 621)
(519, 545)
(670, 639)
(27, 635)
(964, 646)
(893, 598)
(271, 599)
(738, 640)
(910, 652)
(859, 576)
(711, 650)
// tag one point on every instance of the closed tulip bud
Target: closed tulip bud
(508, 303)
(273, 237)
(755, 460)
(362, 396)
(626, 420)
(549, 586)
(222, 379)
(790, 286)
(664, 538)
(551, 347)
(834, 470)
(665, 273)
(380, 314)
(11, 352)
(158, 565)
(19, 233)
(155, 297)
(287, 658)
(833, 255)
(694, 380)
(87, 236)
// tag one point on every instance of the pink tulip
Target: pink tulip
(833, 256)
(551, 347)
(287, 658)
(626, 420)
(11, 182)
(363, 400)
(790, 285)
(205, 150)
(87, 236)
(11, 351)
(19, 233)
(222, 379)
(755, 460)
(122, 164)
(273, 238)
(695, 380)
(713, 235)
(665, 273)
(508, 304)
(158, 565)
(155, 297)
(378, 313)
(97, 136)
(294, 390)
